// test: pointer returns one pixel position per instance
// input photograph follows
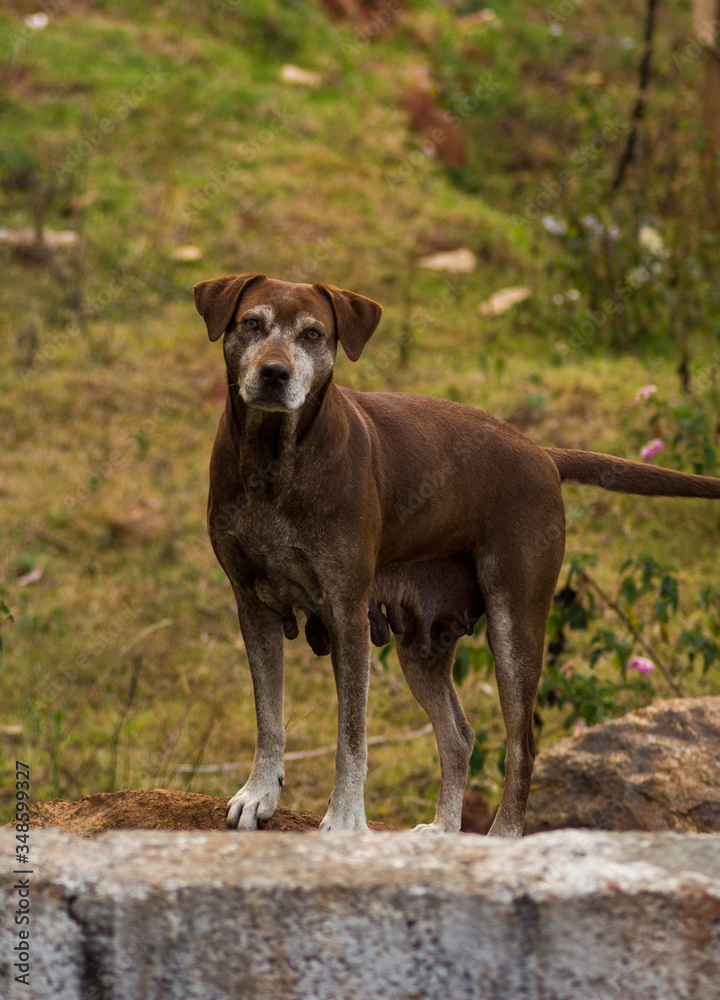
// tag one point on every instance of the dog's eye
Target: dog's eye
(251, 324)
(313, 335)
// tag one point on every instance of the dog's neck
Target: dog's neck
(268, 442)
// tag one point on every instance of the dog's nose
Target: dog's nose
(275, 373)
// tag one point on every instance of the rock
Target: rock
(214, 916)
(299, 77)
(53, 238)
(503, 300)
(156, 809)
(462, 260)
(186, 253)
(486, 18)
(657, 768)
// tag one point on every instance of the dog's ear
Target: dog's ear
(216, 300)
(356, 318)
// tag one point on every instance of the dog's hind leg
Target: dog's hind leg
(262, 630)
(429, 677)
(517, 618)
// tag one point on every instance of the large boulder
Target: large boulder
(657, 768)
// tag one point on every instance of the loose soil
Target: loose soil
(157, 809)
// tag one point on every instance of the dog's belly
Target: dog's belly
(426, 600)
(419, 600)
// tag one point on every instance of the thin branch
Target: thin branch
(115, 739)
(302, 754)
(59, 543)
(209, 730)
(641, 100)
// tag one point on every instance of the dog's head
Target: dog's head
(281, 338)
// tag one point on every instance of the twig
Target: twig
(209, 730)
(207, 609)
(54, 540)
(639, 109)
(130, 697)
(302, 754)
(626, 621)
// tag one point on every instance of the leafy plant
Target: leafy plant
(691, 428)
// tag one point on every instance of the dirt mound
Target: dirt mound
(156, 809)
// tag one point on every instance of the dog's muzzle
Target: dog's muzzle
(271, 386)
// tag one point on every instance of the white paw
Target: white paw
(253, 803)
(434, 827)
(344, 816)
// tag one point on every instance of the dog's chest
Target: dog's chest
(277, 557)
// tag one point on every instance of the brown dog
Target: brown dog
(369, 510)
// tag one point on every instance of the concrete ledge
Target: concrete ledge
(208, 916)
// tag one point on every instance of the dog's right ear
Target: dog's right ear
(217, 299)
(356, 318)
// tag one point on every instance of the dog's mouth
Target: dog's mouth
(272, 399)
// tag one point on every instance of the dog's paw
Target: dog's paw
(433, 828)
(344, 816)
(252, 805)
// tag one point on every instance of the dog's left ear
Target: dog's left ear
(356, 318)
(216, 300)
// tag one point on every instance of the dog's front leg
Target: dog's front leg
(350, 641)
(262, 632)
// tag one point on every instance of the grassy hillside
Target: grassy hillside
(164, 138)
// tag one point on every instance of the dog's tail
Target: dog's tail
(621, 476)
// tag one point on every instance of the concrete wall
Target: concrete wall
(569, 915)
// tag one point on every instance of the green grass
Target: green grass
(105, 446)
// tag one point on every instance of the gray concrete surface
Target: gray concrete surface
(568, 915)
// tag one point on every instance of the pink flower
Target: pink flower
(567, 668)
(644, 393)
(651, 449)
(642, 664)
(580, 728)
